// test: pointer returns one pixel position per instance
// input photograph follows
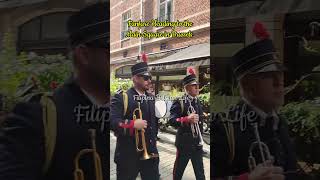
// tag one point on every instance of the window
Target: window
(125, 28)
(125, 54)
(163, 46)
(46, 34)
(165, 10)
(124, 72)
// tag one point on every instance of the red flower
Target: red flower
(144, 57)
(190, 70)
(260, 31)
(53, 85)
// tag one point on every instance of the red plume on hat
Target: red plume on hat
(144, 57)
(191, 70)
(260, 31)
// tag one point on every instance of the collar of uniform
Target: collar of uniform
(191, 97)
(93, 100)
(140, 94)
(263, 115)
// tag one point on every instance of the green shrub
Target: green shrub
(22, 74)
(304, 125)
(119, 83)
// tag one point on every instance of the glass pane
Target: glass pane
(129, 14)
(162, 13)
(127, 70)
(30, 31)
(169, 9)
(54, 26)
(161, 1)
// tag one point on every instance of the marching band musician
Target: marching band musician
(185, 114)
(40, 141)
(123, 106)
(260, 76)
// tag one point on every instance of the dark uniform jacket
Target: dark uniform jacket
(22, 141)
(278, 141)
(126, 146)
(184, 138)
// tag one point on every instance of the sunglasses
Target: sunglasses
(146, 78)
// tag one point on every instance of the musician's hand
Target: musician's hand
(140, 124)
(193, 118)
(268, 172)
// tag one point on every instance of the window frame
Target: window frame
(122, 35)
(166, 10)
(41, 43)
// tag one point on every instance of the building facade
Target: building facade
(125, 51)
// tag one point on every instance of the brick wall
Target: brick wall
(197, 12)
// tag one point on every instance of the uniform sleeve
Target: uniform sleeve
(175, 113)
(220, 150)
(118, 124)
(22, 144)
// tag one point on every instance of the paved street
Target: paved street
(167, 157)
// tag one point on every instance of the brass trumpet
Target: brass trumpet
(263, 150)
(195, 129)
(145, 155)
(78, 173)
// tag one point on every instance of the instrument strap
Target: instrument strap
(49, 118)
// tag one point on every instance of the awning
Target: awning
(196, 55)
(225, 9)
(17, 3)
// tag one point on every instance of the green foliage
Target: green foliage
(303, 118)
(18, 69)
(304, 125)
(119, 83)
(309, 88)
(205, 99)
(205, 88)
(10, 74)
(48, 69)
(175, 93)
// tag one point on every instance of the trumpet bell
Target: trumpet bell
(145, 156)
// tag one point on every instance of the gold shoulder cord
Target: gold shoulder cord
(125, 103)
(49, 117)
(125, 107)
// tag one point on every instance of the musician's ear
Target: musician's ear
(81, 54)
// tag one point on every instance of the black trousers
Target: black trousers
(182, 159)
(148, 169)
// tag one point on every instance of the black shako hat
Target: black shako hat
(141, 68)
(90, 24)
(191, 77)
(256, 58)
